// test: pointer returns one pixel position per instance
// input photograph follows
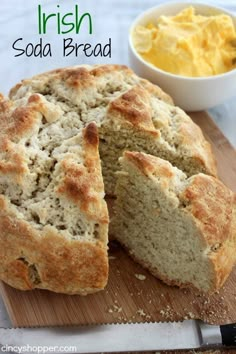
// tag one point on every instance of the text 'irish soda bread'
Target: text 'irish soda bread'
(182, 229)
(53, 218)
(131, 113)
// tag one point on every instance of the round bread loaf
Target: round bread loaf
(53, 217)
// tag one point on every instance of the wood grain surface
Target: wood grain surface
(126, 297)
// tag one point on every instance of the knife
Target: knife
(189, 334)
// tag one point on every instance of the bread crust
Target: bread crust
(134, 107)
(45, 258)
(61, 265)
(83, 184)
(213, 207)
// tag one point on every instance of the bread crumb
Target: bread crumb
(168, 313)
(191, 315)
(141, 313)
(140, 276)
(115, 308)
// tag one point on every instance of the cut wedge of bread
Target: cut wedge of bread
(182, 229)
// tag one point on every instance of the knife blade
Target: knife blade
(189, 334)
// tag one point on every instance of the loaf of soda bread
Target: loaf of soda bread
(62, 133)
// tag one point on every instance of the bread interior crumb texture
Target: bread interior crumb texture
(154, 224)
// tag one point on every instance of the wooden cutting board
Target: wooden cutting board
(127, 298)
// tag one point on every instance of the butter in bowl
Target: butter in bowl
(189, 50)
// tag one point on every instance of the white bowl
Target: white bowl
(191, 94)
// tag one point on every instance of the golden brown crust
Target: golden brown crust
(32, 257)
(190, 135)
(83, 184)
(12, 164)
(91, 138)
(148, 164)
(134, 107)
(211, 203)
(214, 208)
(62, 265)
(16, 122)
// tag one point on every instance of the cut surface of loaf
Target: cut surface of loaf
(53, 217)
(131, 113)
(182, 229)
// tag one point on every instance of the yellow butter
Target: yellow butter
(189, 44)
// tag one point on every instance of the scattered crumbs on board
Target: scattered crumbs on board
(115, 308)
(141, 313)
(140, 276)
(167, 313)
(189, 315)
(123, 319)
